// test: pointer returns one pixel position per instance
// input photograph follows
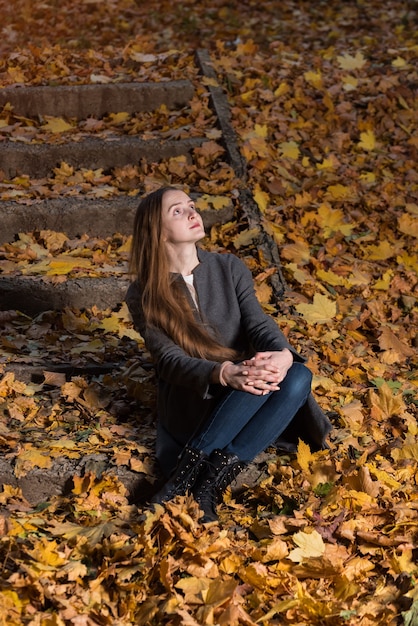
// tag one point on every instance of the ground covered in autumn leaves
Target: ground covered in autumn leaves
(324, 103)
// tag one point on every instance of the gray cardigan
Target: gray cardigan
(230, 309)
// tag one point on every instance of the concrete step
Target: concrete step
(34, 294)
(82, 101)
(39, 160)
(78, 215)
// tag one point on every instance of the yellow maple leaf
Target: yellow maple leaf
(403, 562)
(357, 567)
(262, 198)
(73, 570)
(246, 237)
(96, 345)
(341, 192)
(389, 341)
(304, 455)
(46, 553)
(384, 283)
(348, 62)
(399, 62)
(289, 149)
(17, 75)
(358, 278)
(119, 118)
(297, 252)
(62, 265)
(192, 587)
(309, 545)
(206, 201)
(276, 550)
(367, 140)
(91, 534)
(304, 199)
(332, 220)
(384, 250)
(11, 602)
(276, 231)
(352, 416)
(330, 162)
(258, 575)
(56, 125)
(385, 403)
(350, 83)
(209, 82)
(53, 240)
(111, 323)
(261, 130)
(384, 477)
(29, 458)
(321, 310)
(8, 384)
(408, 451)
(331, 278)
(64, 170)
(408, 224)
(409, 261)
(314, 78)
(263, 292)
(299, 274)
(282, 90)
(72, 390)
(368, 177)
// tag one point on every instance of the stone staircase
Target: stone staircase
(76, 215)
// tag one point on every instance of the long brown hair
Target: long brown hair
(164, 301)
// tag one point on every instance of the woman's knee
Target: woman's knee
(299, 377)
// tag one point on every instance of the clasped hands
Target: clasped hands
(259, 375)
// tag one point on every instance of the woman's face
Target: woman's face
(181, 223)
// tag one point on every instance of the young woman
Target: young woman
(230, 384)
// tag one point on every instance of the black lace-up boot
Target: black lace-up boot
(183, 477)
(220, 470)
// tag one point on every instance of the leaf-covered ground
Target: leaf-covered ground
(324, 103)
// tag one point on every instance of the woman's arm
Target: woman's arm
(172, 364)
(261, 329)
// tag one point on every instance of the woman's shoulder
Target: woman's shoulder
(224, 259)
(133, 293)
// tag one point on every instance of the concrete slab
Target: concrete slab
(32, 295)
(39, 160)
(82, 101)
(76, 216)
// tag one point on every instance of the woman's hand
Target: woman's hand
(259, 375)
(268, 368)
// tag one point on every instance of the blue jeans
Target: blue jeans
(245, 424)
